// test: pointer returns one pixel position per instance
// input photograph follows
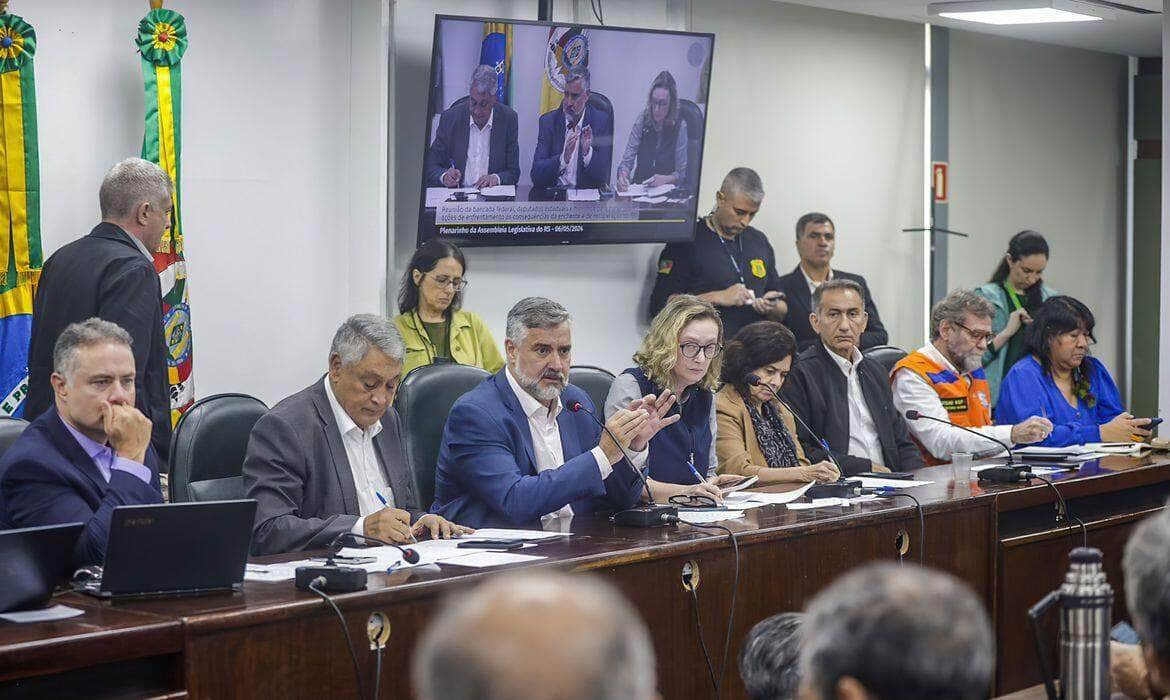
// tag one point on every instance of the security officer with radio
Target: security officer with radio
(729, 263)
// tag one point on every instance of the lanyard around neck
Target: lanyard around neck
(1013, 294)
(727, 249)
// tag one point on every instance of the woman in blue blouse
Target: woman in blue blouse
(1058, 379)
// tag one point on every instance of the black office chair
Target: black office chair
(424, 400)
(596, 382)
(208, 448)
(10, 429)
(690, 113)
(886, 355)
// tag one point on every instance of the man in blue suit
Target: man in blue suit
(521, 447)
(91, 451)
(476, 143)
(574, 146)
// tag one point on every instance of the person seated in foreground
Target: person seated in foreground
(536, 636)
(885, 631)
(844, 397)
(90, 452)
(769, 661)
(1143, 670)
(1059, 380)
(944, 379)
(757, 432)
(679, 360)
(523, 447)
(328, 460)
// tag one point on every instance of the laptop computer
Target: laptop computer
(32, 561)
(175, 549)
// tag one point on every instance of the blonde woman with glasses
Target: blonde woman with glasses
(679, 361)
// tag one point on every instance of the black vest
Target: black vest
(656, 151)
(689, 438)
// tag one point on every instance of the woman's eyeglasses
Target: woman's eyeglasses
(692, 350)
(457, 283)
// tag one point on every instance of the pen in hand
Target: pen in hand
(386, 504)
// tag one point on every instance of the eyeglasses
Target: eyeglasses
(976, 336)
(692, 350)
(659, 103)
(457, 283)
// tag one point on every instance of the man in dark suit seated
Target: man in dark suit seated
(90, 452)
(843, 396)
(476, 143)
(516, 452)
(574, 146)
(110, 274)
(328, 460)
(816, 240)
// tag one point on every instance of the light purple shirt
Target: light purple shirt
(105, 459)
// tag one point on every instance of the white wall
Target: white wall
(283, 166)
(827, 106)
(1037, 141)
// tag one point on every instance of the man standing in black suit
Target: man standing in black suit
(574, 146)
(816, 241)
(110, 274)
(476, 144)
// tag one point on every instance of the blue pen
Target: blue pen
(691, 465)
(386, 504)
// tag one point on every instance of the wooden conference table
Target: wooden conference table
(271, 640)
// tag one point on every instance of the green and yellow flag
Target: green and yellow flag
(20, 207)
(162, 40)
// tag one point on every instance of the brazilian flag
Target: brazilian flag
(496, 51)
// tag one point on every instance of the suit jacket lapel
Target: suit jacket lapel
(388, 447)
(340, 461)
(874, 405)
(496, 147)
(570, 440)
(802, 296)
(75, 453)
(513, 405)
(460, 140)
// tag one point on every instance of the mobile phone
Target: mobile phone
(505, 545)
(1153, 422)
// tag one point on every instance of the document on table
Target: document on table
(590, 195)
(700, 517)
(1035, 469)
(829, 502)
(51, 614)
(480, 559)
(438, 195)
(869, 482)
(755, 499)
(636, 189)
(498, 191)
(495, 533)
(650, 200)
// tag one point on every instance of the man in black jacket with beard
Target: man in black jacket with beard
(110, 274)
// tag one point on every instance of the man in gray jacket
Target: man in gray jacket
(328, 460)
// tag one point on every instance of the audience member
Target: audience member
(1143, 671)
(769, 661)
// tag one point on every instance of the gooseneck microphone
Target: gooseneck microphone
(410, 556)
(642, 516)
(842, 487)
(1011, 474)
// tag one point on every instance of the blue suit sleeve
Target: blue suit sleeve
(1108, 397)
(546, 161)
(483, 459)
(596, 174)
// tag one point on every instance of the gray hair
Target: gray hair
(579, 73)
(743, 181)
(903, 632)
(836, 285)
(475, 650)
(485, 78)
(361, 332)
(86, 334)
(1147, 569)
(130, 183)
(534, 312)
(769, 661)
(955, 307)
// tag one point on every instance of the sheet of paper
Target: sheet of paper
(438, 195)
(481, 559)
(658, 191)
(584, 195)
(650, 200)
(746, 483)
(701, 517)
(636, 189)
(759, 498)
(1035, 470)
(498, 191)
(832, 502)
(869, 482)
(496, 533)
(1117, 448)
(1052, 451)
(56, 612)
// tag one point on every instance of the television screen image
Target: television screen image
(546, 134)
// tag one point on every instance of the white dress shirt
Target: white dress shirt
(863, 435)
(479, 146)
(913, 392)
(368, 478)
(568, 177)
(813, 284)
(546, 438)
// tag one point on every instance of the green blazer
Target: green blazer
(471, 342)
(994, 360)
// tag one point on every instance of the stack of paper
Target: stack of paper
(829, 502)
(591, 195)
(499, 191)
(700, 517)
(869, 482)
(755, 499)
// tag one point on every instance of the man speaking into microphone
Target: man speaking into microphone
(944, 380)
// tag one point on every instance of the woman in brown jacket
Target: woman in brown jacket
(756, 433)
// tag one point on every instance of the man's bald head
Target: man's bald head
(537, 637)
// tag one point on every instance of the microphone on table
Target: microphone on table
(641, 516)
(842, 487)
(1010, 474)
(332, 578)
(410, 556)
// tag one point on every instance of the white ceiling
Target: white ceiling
(1129, 34)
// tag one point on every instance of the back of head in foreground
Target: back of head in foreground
(1147, 592)
(890, 632)
(536, 636)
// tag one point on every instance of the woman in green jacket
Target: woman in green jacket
(1016, 290)
(433, 327)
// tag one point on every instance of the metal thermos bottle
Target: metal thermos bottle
(1086, 610)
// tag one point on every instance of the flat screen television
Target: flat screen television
(546, 134)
